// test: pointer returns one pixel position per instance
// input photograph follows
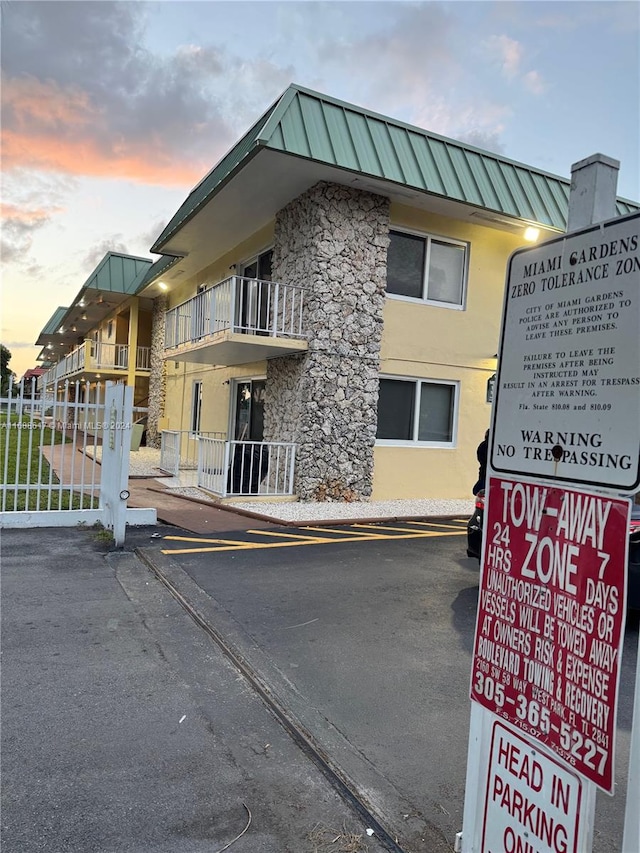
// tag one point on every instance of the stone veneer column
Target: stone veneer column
(158, 376)
(333, 241)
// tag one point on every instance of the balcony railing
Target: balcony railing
(95, 356)
(228, 468)
(239, 305)
(179, 449)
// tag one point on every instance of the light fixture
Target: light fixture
(163, 286)
(74, 329)
(81, 304)
(61, 330)
(84, 316)
(531, 234)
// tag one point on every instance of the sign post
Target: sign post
(564, 448)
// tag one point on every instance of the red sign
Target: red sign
(551, 617)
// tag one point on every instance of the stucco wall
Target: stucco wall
(332, 240)
(436, 342)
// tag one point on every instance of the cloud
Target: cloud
(97, 252)
(507, 52)
(11, 345)
(416, 45)
(409, 69)
(19, 226)
(148, 237)
(534, 83)
(31, 203)
(82, 96)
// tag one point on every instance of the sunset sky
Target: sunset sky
(111, 112)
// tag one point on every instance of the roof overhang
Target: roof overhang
(267, 181)
(92, 304)
(87, 312)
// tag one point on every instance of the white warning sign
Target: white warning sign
(532, 801)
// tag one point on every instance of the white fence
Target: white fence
(244, 305)
(50, 449)
(246, 468)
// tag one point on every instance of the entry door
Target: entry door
(254, 307)
(249, 413)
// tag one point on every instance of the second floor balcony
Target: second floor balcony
(94, 357)
(237, 321)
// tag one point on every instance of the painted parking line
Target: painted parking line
(394, 529)
(353, 533)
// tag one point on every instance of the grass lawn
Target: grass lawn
(22, 464)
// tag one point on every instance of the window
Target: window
(415, 411)
(426, 268)
(196, 407)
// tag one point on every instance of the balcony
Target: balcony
(97, 357)
(237, 321)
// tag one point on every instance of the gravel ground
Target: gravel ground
(145, 462)
(370, 509)
(142, 463)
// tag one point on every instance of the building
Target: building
(332, 289)
(105, 334)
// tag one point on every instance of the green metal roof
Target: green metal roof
(308, 124)
(54, 322)
(117, 273)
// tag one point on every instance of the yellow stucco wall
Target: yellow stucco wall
(419, 341)
(216, 386)
(216, 381)
(223, 267)
(432, 342)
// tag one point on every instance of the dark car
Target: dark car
(474, 547)
(474, 528)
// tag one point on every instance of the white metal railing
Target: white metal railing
(97, 355)
(43, 464)
(239, 304)
(143, 358)
(179, 449)
(170, 452)
(228, 468)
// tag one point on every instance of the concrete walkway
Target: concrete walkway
(194, 516)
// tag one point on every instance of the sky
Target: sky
(111, 112)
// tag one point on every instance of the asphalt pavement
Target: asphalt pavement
(124, 728)
(276, 689)
(363, 634)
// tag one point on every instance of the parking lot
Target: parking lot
(364, 634)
